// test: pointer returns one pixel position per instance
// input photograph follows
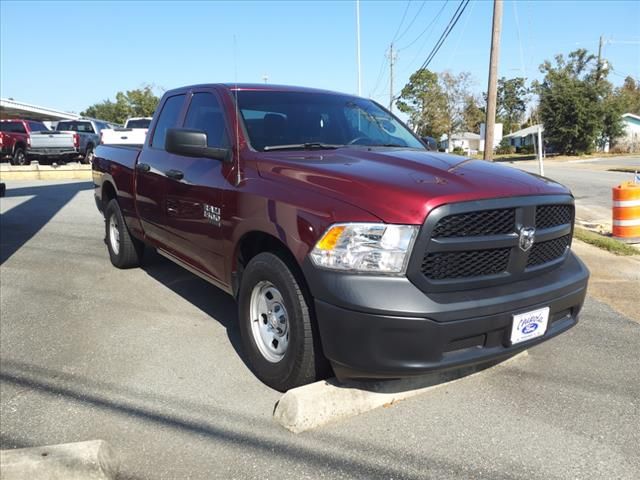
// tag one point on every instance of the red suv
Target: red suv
(15, 140)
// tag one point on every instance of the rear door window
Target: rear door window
(206, 114)
(168, 119)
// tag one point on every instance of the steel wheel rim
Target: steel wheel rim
(114, 235)
(21, 158)
(269, 321)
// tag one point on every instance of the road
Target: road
(149, 360)
(590, 182)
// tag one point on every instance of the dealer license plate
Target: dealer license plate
(529, 325)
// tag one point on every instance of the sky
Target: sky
(69, 55)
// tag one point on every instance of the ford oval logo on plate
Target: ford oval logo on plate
(529, 325)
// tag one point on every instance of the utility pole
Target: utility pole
(492, 89)
(599, 67)
(392, 59)
(358, 47)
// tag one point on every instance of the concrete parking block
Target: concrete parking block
(35, 171)
(92, 460)
(313, 405)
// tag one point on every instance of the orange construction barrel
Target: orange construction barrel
(626, 210)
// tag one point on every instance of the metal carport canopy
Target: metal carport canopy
(13, 109)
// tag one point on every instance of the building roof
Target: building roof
(525, 132)
(13, 109)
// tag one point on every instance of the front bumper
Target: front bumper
(385, 327)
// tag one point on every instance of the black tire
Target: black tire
(19, 157)
(303, 361)
(127, 251)
(88, 155)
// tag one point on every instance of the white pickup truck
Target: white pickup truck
(133, 133)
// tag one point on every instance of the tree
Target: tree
(456, 89)
(473, 115)
(629, 95)
(511, 102)
(435, 102)
(141, 102)
(576, 105)
(423, 100)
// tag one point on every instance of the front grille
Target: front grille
(476, 244)
(548, 216)
(485, 222)
(545, 252)
(443, 265)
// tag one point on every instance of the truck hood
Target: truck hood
(400, 185)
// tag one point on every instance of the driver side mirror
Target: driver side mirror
(193, 143)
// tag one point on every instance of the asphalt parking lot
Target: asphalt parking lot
(590, 181)
(150, 361)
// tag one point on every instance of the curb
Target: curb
(91, 460)
(35, 171)
(319, 403)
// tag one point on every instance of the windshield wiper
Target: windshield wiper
(303, 146)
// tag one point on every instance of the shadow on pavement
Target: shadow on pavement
(211, 300)
(25, 220)
(249, 432)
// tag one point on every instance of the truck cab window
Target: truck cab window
(205, 114)
(168, 119)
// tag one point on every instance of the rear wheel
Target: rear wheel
(19, 157)
(89, 154)
(276, 325)
(124, 250)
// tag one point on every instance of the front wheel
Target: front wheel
(276, 325)
(124, 250)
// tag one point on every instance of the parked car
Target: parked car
(133, 133)
(431, 143)
(89, 132)
(340, 236)
(22, 140)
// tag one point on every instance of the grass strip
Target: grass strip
(605, 243)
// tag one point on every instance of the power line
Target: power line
(412, 21)
(452, 23)
(426, 39)
(401, 21)
(426, 29)
(375, 89)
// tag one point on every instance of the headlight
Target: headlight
(365, 247)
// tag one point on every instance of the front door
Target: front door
(195, 190)
(154, 161)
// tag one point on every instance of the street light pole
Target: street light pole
(492, 89)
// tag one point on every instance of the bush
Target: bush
(458, 151)
(505, 148)
(525, 149)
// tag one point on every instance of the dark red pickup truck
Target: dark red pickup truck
(345, 242)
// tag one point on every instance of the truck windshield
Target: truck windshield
(303, 120)
(141, 123)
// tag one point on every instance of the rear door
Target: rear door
(152, 164)
(194, 202)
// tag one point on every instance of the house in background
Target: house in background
(469, 142)
(526, 136)
(630, 141)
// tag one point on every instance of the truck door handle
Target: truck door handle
(174, 174)
(143, 167)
